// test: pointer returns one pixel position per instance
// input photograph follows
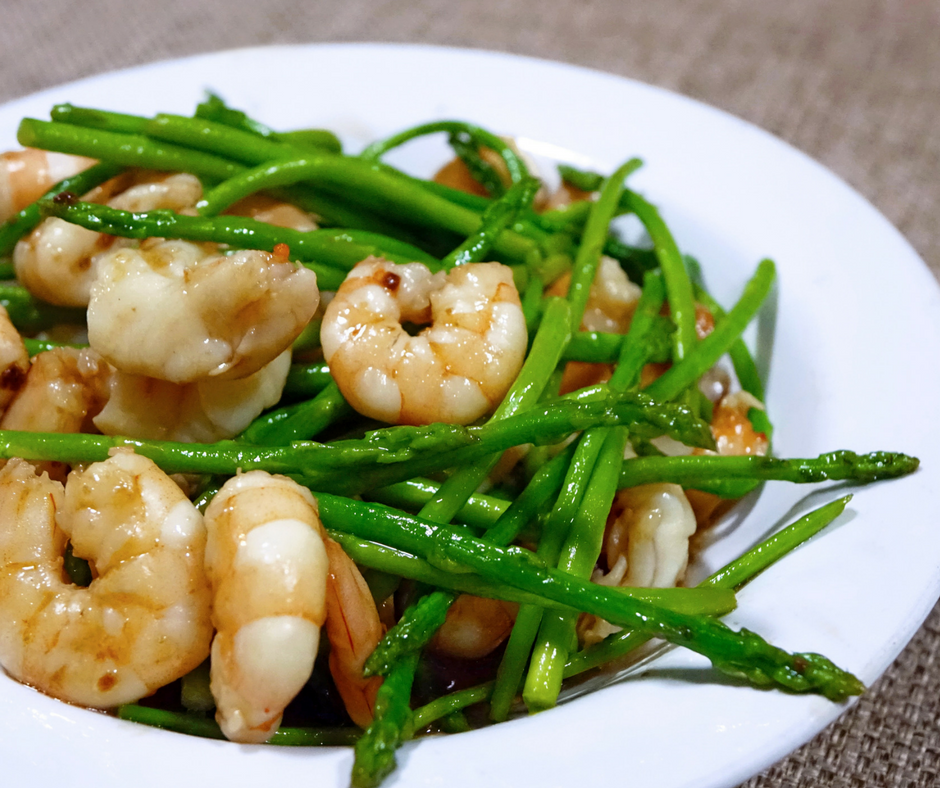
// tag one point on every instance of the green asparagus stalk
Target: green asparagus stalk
(22, 223)
(307, 380)
(592, 242)
(678, 285)
(734, 575)
(29, 314)
(302, 421)
(701, 472)
(375, 751)
(373, 186)
(479, 510)
(497, 218)
(397, 562)
(515, 165)
(215, 109)
(384, 456)
(341, 249)
(578, 555)
(704, 355)
(744, 653)
(208, 728)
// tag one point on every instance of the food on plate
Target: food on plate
(468, 432)
(455, 370)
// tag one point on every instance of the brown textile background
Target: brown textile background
(854, 83)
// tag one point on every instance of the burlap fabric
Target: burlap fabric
(854, 83)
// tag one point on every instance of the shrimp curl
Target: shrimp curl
(453, 371)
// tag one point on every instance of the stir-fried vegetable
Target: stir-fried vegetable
(525, 507)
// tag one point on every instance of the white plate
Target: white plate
(856, 336)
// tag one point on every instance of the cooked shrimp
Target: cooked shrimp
(457, 175)
(267, 565)
(202, 412)
(63, 391)
(14, 360)
(58, 261)
(25, 175)
(270, 211)
(474, 627)
(610, 306)
(733, 430)
(354, 630)
(646, 545)
(611, 302)
(223, 317)
(454, 371)
(144, 620)
(734, 435)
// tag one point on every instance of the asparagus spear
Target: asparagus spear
(375, 751)
(29, 314)
(19, 225)
(744, 653)
(702, 472)
(197, 725)
(340, 249)
(384, 456)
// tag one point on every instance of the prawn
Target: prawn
(733, 431)
(206, 411)
(611, 301)
(144, 620)
(58, 261)
(14, 360)
(270, 211)
(454, 371)
(354, 630)
(474, 627)
(267, 566)
(646, 545)
(26, 175)
(734, 435)
(63, 390)
(610, 306)
(221, 317)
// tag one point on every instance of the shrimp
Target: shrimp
(612, 300)
(732, 428)
(457, 175)
(646, 545)
(354, 630)
(58, 261)
(25, 175)
(454, 371)
(734, 435)
(267, 566)
(203, 412)
(270, 211)
(474, 627)
(144, 620)
(62, 392)
(14, 360)
(215, 316)
(610, 306)
(64, 389)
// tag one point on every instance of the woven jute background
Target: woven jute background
(853, 83)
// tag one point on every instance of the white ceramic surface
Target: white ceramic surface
(856, 315)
